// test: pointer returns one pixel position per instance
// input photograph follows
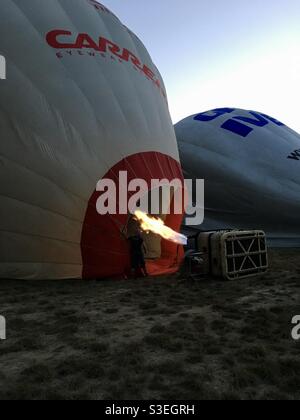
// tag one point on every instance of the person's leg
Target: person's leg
(139, 272)
(135, 265)
(143, 267)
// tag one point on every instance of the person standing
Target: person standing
(137, 250)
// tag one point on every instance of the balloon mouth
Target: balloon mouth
(104, 244)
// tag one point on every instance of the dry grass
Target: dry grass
(157, 338)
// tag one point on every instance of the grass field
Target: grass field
(164, 338)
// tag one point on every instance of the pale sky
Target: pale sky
(231, 53)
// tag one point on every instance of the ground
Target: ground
(163, 338)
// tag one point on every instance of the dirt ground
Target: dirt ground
(162, 338)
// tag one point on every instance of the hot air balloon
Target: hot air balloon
(82, 101)
(251, 166)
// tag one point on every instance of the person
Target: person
(137, 252)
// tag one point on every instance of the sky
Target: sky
(212, 54)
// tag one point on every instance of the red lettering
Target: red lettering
(52, 39)
(149, 73)
(105, 44)
(98, 6)
(128, 56)
(85, 41)
(157, 83)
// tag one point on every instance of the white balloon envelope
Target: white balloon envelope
(82, 101)
(251, 166)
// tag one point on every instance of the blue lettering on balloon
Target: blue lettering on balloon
(237, 128)
(234, 125)
(258, 120)
(206, 116)
(295, 155)
(273, 120)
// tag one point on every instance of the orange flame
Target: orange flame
(156, 225)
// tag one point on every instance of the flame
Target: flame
(156, 225)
